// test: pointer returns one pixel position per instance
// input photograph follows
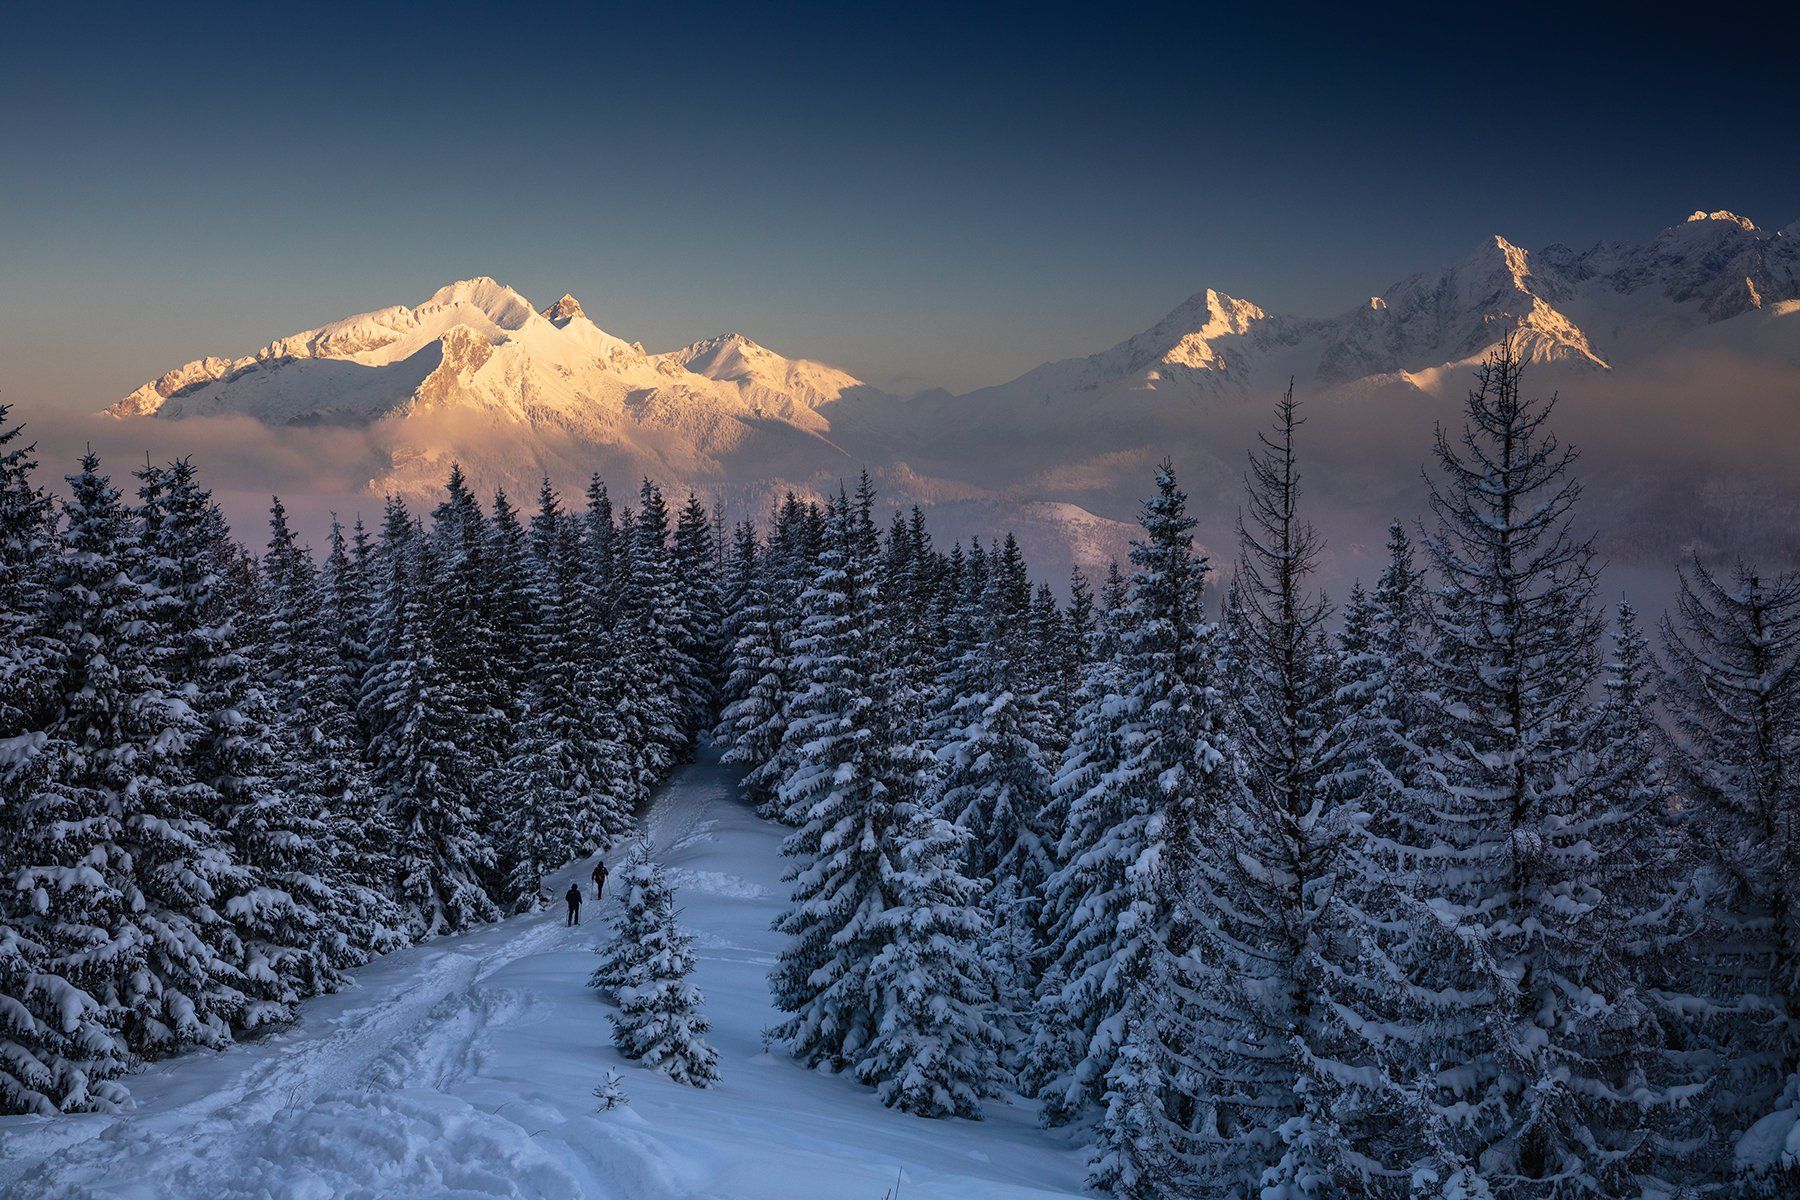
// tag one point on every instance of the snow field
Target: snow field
(464, 1068)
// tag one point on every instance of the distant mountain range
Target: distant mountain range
(477, 374)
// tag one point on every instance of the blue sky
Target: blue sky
(923, 195)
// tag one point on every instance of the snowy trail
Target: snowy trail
(463, 1068)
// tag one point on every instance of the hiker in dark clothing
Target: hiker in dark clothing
(599, 879)
(573, 896)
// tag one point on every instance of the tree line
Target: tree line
(231, 777)
(1451, 892)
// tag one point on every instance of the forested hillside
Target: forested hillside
(1473, 883)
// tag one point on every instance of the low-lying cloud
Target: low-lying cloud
(1695, 456)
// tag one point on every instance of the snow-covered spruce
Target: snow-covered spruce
(225, 779)
(1260, 917)
(59, 1046)
(425, 759)
(763, 680)
(645, 970)
(884, 976)
(1495, 1029)
(277, 899)
(1151, 767)
(643, 893)
(568, 765)
(995, 781)
(307, 623)
(1734, 694)
(611, 1092)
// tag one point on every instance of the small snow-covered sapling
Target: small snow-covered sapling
(611, 1092)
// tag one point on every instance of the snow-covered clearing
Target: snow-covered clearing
(464, 1068)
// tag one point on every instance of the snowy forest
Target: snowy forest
(1471, 884)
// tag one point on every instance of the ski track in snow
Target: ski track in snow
(463, 1067)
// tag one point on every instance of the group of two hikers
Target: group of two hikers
(573, 895)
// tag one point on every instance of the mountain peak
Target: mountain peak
(726, 355)
(564, 310)
(1497, 254)
(1701, 214)
(1210, 313)
(503, 306)
(761, 372)
(726, 341)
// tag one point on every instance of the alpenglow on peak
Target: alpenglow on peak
(1700, 214)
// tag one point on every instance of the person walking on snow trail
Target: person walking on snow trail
(573, 896)
(599, 878)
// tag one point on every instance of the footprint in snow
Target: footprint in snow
(715, 883)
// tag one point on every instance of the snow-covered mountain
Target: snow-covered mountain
(760, 374)
(479, 344)
(476, 373)
(1609, 306)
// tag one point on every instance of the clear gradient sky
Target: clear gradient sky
(923, 195)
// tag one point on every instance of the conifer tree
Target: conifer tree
(314, 650)
(1519, 1081)
(611, 1092)
(662, 680)
(130, 871)
(876, 889)
(511, 587)
(510, 618)
(910, 584)
(754, 726)
(741, 597)
(1052, 671)
(278, 899)
(659, 1023)
(1141, 1151)
(320, 767)
(1734, 695)
(347, 603)
(1273, 863)
(643, 893)
(570, 769)
(996, 781)
(185, 870)
(604, 553)
(28, 650)
(420, 745)
(346, 606)
(620, 672)
(480, 680)
(1382, 784)
(1646, 863)
(1054, 1046)
(937, 1044)
(1150, 768)
(694, 556)
(59, 1048)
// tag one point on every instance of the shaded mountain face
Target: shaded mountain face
(479, 375)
